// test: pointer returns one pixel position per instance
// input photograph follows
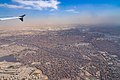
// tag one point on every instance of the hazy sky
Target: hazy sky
(40, 12)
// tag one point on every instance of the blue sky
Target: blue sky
(63, 11)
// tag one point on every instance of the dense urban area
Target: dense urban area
(79, 53)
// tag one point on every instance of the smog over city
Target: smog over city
(59, 39)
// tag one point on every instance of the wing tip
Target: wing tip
(21, 17)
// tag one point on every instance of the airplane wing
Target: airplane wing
(10, 18)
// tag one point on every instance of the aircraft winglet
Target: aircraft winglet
(21, 17)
